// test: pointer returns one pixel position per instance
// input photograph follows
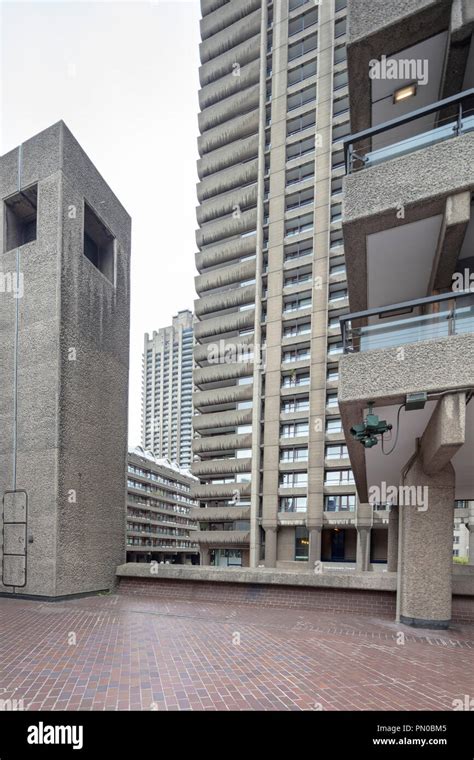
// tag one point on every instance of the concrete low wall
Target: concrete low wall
(356, 593)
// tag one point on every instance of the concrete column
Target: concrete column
(470, 526)
(205, 556)
(363, 549)
(314, 546)
(392, 543)
(425, 563)
(270, 546)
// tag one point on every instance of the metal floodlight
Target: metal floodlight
(366, 432)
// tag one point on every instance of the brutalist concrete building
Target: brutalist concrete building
(167, 390)
(160, 527)
(276, 484)
(408, 340)
(64, 370)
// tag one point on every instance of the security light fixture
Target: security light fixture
(408, 91)
(366, 433)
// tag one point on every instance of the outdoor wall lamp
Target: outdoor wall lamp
(366, 433)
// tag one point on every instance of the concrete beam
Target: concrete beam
(457, 214)
(353, 414)
(445, 433)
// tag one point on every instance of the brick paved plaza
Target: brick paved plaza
(138, 653)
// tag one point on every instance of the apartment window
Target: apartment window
(243, 453)
(297, 250)
(340, 503)
(244, 429)
(21, 218)
(300, 23)
(341, 105)
(336, 238)
(297, 304)
(342, 130)
(336, 212)
(297, 276)
(290, 405)
(338, 477)
(293, 504)
(294, 429)
(298, 99)
(99, 244)
(293, 479)
(340, 80)
(299, 328)
(340, 54)
(340, 27)
(298, 225)
(304, 121)
(334, 425)
(295, 380)
(299, 454)
(297, 4)
(337, 294)
(300, 73)
(300, 148)
(245, 405)
(335, 347)
(340, 5)
(337, 451)
(332, 374)
(301, 544)
(300, 173)
(338, 159)
(331, 399)
(302, 198)
(306, 45)
(337, 269)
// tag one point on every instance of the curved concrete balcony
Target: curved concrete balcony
(241, 102)
(215, 491)
(221, 513)
(218, 278)
(208, 6)
(222, 443)
(229, 85)
(228, 38)
(222, 537)
(228, 155)
(224, 350)
(234, 393)
(225, 324)
(233, 177)
(229, 299)
(230, 418)
(226, 227)
(219, 67)
(218, 372)
(218, 254)
(226, 203)
(221, 467)
(225, 15)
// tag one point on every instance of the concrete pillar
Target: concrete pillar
(205, 556)
(270, 546)
(363, 549)
(392, 543)
(425, 563)
(314, 546)
(470, 526)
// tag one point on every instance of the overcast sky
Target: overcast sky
(124, 78)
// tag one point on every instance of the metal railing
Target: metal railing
(362, 149)
(408, 322)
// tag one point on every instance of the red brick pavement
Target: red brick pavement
(128, 652)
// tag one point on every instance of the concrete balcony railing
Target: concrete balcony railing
(221, 466)
(230, 418)
(222, 537)
(225, 15)
(235, 176)
(221, 514)
(228, 323)
(227, 227)
(224, 351)
(229, 85)
(233, 35)
(216, 491)
(241, 102)
(219, 443)
(219, 67)
(225, 203)
(227, 395)
(228, 155)
(222, 252)
(219, 372)
(228, 299)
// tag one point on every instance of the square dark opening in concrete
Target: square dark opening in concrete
(99, 243)
(21, 218)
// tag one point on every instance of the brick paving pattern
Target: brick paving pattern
(121, 652)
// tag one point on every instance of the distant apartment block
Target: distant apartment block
(64, 347)
(167, 390)
(160, 526)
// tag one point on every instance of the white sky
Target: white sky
(124, 78)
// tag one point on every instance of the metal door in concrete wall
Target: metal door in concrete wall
(14, 542)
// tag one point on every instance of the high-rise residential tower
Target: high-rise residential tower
(275, 480)
(64, 347)
(167, 389)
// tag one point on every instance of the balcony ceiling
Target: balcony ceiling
(381, 468)
(400, 261)
(432, 53)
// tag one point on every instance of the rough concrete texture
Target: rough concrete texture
(72, 369)
(425, 564)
